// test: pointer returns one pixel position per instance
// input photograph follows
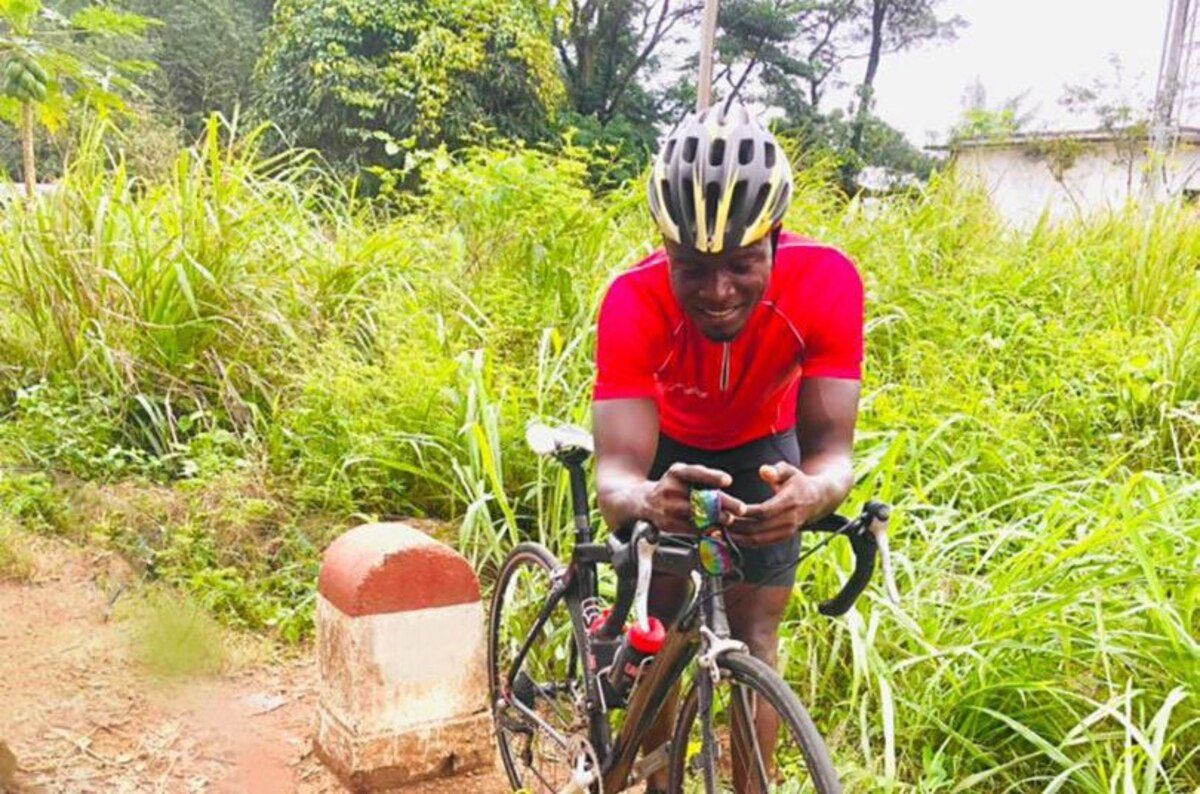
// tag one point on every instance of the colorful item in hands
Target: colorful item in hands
(706, 508)
(715, 557)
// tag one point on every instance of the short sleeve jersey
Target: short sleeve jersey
(719, 395)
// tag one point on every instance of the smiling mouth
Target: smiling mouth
(724, 314)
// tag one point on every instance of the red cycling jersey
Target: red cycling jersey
(718, 395)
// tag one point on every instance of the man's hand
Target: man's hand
(798, 498)
(668, 500)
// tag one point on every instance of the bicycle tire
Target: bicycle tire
(759, 678)
(543, 662)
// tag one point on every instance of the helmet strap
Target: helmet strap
(775, 232)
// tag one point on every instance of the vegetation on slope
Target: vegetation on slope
(218, 371)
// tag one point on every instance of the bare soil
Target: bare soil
(79, 715)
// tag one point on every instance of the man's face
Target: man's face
(719, 291)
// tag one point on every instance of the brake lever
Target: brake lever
(633, 563)
(879, 531)
(647, 544)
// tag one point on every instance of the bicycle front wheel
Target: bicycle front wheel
(539, 705)
(763, 739)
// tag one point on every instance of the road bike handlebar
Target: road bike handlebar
(867, 535)
(868, 539)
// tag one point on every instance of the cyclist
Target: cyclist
(730, 358)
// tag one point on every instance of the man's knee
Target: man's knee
(763, 642)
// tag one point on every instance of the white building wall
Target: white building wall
(1022, 183)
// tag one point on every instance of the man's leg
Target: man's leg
(754, 615)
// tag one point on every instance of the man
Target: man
(729, 359)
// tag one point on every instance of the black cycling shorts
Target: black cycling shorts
(774, 564)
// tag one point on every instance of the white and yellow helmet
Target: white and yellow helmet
(720, 180)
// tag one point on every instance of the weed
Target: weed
(175, 638)
(17, 562)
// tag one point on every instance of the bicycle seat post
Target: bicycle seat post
(579, 500)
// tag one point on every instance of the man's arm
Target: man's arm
(826, 412)
(626, 436)
(825, 417)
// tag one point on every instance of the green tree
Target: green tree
(790, 43)
(1119, 110)
(607, 49)
(891, 26)
(50, 59)
(190, 82)
(370, 82)
(605, 46)
(788, 53)
(883, 146)
(981, 122)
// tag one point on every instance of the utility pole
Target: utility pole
(1177, 40)
(707, 33)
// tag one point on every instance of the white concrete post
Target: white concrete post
(401, 655)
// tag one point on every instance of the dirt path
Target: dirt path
(79, 715)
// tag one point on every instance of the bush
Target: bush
(256, 362)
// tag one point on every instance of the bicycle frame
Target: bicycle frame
(699, 632)
(576, 584)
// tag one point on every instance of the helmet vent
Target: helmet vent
(738, 200)
(669, 199)
(670, 150)
(716, 153)
(745, 151)
(689, 149)
(687, 198)
(757, 207)
(769, 155)
(712, 196)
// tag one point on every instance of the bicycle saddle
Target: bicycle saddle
(565, 442)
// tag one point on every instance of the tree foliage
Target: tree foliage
(604, 46)
(979, 121)
(796, 46)
(368, 81)
(52, 60)
(789, 54)
(891, 26)
(190, 82)
(883, 146)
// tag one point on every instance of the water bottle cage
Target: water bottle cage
(610, 698)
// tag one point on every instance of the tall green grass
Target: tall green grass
(1031, 406)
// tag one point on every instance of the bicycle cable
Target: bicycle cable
(772, 570)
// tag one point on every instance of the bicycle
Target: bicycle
(560, 665)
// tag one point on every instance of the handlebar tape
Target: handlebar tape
(864, 566)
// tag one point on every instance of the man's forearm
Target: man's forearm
(621, 497)
(833, 474)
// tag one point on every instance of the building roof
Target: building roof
(1190, 135)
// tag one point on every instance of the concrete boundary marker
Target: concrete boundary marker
(401, 654)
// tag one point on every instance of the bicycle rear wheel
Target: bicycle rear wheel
(546, 702)
(750, 691)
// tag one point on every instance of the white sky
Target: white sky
(1018, 45)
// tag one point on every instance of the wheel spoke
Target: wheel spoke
(762, 741)
(543, 696)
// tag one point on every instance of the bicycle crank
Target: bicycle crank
(585, 768)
